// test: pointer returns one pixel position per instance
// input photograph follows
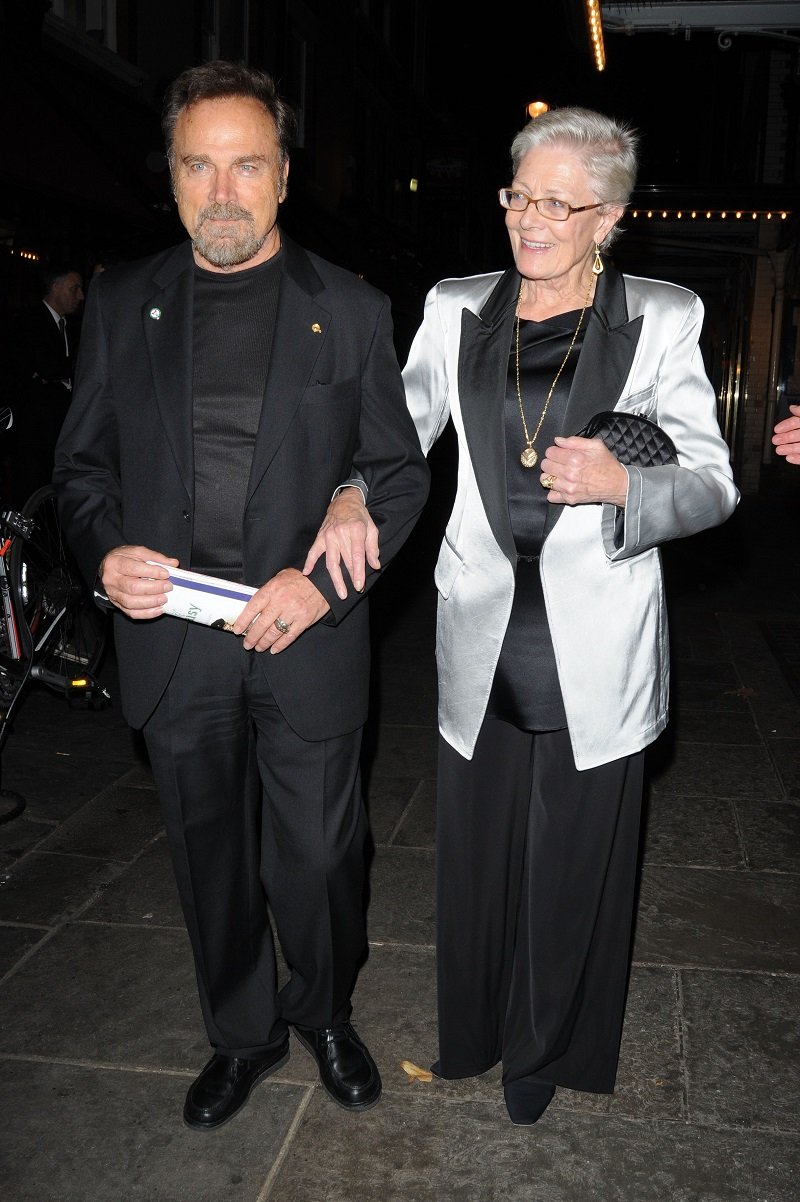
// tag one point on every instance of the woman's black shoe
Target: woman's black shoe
(527, 1100)
(224, 1086)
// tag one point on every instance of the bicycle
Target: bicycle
(51, 631)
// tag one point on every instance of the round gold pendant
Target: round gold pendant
(529, 458)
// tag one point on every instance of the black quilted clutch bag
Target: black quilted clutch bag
(632, 438)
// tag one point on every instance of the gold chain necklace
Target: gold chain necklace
(529, 457)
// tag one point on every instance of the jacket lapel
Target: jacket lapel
(301, 327)
(482, 372)
(167, 323)
(604, 362)
(607, 353)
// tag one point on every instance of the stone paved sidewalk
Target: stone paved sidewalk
(100, 1032)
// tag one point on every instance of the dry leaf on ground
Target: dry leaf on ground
(414, 1072)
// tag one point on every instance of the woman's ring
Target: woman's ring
(283, 627)
(548, 481)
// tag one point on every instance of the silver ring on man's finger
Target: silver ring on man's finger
(281, 626)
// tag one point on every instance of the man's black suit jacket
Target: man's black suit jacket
(334, 401)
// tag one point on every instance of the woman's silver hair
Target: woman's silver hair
(606, 147)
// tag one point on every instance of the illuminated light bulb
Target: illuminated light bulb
(594, 25)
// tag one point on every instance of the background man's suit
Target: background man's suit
(40, 396)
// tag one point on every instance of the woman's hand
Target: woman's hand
(583, 472)
(347, 535)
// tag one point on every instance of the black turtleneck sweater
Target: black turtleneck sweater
(234, 323)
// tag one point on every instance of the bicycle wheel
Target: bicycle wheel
(67, 630)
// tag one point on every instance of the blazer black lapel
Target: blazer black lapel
(607, 353)
(482, 372)
(301, 327)
(167, 323)
(604, 362)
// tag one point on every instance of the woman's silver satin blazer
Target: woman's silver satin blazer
(605, 602)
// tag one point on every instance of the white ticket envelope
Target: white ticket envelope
(204, 599)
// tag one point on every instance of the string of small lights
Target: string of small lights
(710, 214)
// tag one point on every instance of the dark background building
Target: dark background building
(406, 111)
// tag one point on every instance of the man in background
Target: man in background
(43, 347)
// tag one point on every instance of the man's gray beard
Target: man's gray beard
(227, 251)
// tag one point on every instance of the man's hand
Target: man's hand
(135, 586)
(786, 436)
(348, 535)
(583, 471)
(288, 599)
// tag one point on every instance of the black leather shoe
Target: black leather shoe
(346, 1068)
(224, 1086)
(526, 1100)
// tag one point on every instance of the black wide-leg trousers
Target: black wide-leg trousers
(536, 874)
(258, 820)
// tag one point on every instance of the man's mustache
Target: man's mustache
(229, 212)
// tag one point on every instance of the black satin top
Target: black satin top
(525, 691)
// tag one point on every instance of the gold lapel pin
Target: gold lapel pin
(316, 328)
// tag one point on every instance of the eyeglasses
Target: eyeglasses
(546, 206)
